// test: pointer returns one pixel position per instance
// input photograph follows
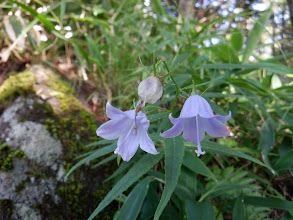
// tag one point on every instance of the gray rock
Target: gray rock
(23, 212)
(36, 142)
(42, 151)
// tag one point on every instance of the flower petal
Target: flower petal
(223, 118)
(214, 127)
(174, 131)
(190, 130)
(142, 120)
(112, 112)
(174, 120)
(129, 145)
(146, 144)
(114, 128)
(130, 113)
(196, 105)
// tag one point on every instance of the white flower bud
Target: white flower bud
(150, 89)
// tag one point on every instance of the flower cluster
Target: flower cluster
(130, 127)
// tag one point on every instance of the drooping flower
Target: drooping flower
(195, 119)
(131, 131)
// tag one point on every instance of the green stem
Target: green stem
(177, 88)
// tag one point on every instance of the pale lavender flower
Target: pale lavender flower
(131, 131)
(195, 119)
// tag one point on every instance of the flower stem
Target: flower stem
(177, 88)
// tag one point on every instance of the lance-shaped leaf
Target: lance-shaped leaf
(174, 153)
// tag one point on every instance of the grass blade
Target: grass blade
(100, 152)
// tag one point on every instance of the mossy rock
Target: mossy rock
(39, 100)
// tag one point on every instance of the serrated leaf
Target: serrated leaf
(132, 205)
(174, 153)
(141, 167)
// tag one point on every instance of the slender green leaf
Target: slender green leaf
(122, 168)
(179, 60)
(214, 147)
(174, 153)
(192, 162)
(133, 203)
(140, 168)
(158, 7)
(41, 17)
(186, 186)
(286, 145)
(95, 51)
(255, 34)
(100, 152)
(267, 139)
(237, 39)
(268, 202)
(285, 162)
(272, 67)
(106, 160)
(62, 9)
(239, 212)
(199, 210)
(223, 188)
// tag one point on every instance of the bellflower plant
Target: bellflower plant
(195, 119)
(130, 129)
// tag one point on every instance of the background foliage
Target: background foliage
(238, 57)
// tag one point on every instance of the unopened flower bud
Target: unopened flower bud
(150, 89)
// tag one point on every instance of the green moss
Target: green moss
(20, 186)
(16, 84)
(64, 92)
(72, 193)
(19, 154)
(7, 155)
(59, 85)
(6, 208)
